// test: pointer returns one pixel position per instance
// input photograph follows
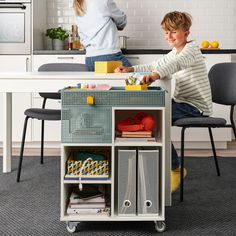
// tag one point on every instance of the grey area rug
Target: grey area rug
(32, 207)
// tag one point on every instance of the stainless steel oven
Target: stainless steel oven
(15, 26)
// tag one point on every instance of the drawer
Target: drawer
(86, 124)
(39, 60)
(115, 97)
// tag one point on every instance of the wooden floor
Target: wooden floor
(229, 152)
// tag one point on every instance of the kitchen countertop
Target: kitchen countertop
(130, 51)
(58, 52)
(164, 51)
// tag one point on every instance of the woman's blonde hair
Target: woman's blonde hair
(176, 20)
(79, 6)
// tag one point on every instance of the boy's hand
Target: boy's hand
(122, 69)
(148, 79)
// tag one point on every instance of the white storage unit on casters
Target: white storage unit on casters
(105, 174)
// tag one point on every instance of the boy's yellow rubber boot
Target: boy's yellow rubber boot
(175, 178)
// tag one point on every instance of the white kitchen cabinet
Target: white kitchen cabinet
(20, 101)
(199, 138)
(39, 60)
(50, 136)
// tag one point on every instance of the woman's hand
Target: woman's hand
(123, 69)
(148, 79)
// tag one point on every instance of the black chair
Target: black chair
(222, 78)
(46, 114)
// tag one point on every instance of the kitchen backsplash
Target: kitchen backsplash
(212, 20)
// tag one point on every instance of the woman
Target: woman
(98, 22)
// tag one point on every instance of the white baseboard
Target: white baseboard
(35, 144)
(188, 145)
(201, 145)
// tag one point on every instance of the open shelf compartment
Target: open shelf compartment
(86, 164)
(153, 137)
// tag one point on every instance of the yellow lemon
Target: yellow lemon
(205, 44)
(214, 44)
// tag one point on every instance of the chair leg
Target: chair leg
(42, 141)
(232, 119)
(182, 166)
(234, 128)
(214, 151)
(22, 149)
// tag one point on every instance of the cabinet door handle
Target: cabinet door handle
(27, 64)
(65, 58)
(132, 57)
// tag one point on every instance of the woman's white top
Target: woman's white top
(98, 27)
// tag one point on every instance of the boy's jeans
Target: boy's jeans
(109, 57)
(181, 110)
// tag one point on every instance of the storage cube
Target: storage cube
(106, 66)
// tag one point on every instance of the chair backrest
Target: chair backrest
(63, 67)
(222, 78)
(60, 67)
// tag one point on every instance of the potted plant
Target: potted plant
(58, 36)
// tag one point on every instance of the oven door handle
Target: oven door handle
(12, 5)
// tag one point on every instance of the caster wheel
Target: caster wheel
(160, 226)
(71, 227)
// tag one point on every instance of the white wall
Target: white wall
(212, 20)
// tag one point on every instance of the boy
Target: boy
(192, 96)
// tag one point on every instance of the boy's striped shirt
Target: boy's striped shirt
(189, 69)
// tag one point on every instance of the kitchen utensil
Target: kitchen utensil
(123, 41)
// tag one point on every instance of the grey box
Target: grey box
(148, 182)
(127, 182)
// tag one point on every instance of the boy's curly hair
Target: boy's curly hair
(176, 20)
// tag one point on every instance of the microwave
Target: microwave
(15, 26)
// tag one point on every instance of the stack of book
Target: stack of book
(136, 134)
(87, 203)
